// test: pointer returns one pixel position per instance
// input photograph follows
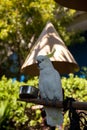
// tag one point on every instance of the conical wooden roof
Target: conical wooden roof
(49, 41)
(74, 4)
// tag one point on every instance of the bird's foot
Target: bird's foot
(54, 101)
(52, 128)
(46, 101)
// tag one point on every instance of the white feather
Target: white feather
(50, 88)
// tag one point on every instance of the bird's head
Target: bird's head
(43, 62)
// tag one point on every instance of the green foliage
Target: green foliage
(11, 111)
(33, 81)
(84, 71)
(15, 115)
(75, 38)
(21, 23)
(76, 88)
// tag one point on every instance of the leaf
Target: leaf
(3, 110)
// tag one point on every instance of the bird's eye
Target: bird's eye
(42, 59)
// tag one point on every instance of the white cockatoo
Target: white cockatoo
(50, 89)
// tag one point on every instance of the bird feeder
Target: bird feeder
(50, 43)
(74, 4)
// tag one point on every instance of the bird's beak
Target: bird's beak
(37, 63)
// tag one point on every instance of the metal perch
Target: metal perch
(59, 104)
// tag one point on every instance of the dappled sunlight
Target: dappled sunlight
(48, 41)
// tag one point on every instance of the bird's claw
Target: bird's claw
(46, 101)
(54, 101)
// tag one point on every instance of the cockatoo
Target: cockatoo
(50, 89)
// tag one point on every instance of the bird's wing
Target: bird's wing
(50, 85)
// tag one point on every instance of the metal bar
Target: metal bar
(59, 104)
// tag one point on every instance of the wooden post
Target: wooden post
(59, 104)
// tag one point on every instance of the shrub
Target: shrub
(16, 115)
(11, 111)
(76, 88)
